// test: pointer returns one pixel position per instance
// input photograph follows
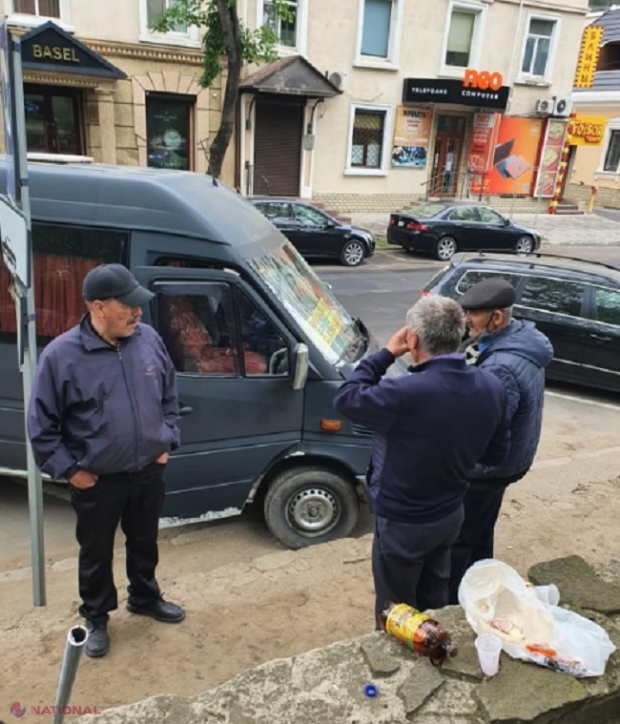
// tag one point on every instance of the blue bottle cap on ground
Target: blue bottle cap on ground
(370, 690)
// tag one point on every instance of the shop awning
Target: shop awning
(293, 75)
(50, 49)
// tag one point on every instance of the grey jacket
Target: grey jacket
(517, 355)
(108, 410)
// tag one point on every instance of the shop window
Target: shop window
(369, 129)
(284, 28)
(169, 132)
(379, 30)
(612, 152)
(463, 32)
(62, 256)
(43, 8)
(539, 47)
(53, 120)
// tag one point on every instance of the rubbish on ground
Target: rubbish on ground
(370, 690)
(489, 648)
(417, 631)
(496, 600)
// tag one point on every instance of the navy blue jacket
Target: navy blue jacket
(518, 356)
(431, 426)
(109, 410)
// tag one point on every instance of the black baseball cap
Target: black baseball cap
(494, 293)
(114, 281)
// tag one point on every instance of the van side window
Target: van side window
(62, 257)
(197, 330)
(608, 306)
(260, 336)
(553, 295)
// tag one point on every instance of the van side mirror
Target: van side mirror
(301, 364)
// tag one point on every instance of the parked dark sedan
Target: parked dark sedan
(315, 234)
(575, 303)
(442, 228)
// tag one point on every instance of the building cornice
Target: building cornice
(139, 51)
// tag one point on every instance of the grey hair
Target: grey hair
(439, 323)
(507, 312)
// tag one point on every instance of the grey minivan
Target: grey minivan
(259, 342)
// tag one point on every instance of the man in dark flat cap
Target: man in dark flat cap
(517, 353)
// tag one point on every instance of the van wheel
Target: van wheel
(353, 253)
(309, 505)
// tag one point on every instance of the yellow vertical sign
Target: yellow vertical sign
(588, 56)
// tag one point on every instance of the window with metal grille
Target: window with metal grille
(612, 155)
(45, 8)
(538, 47)
(367, 145)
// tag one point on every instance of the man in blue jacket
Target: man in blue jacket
(103, 415)
(517, 354)
(431, 427)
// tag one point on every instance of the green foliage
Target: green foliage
(257, 45)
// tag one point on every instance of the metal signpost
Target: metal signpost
(15, 241)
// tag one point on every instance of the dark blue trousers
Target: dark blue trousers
(475, 541)
(411, 563)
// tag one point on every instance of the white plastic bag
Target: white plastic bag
(497, 600)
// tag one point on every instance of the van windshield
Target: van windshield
(324, 320)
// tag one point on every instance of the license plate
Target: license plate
(401, 222)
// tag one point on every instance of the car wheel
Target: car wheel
(309, 505)
(524, 245)
(353, 253)
(445, 248)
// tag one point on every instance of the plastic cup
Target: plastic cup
(489, 648)
(548, 594)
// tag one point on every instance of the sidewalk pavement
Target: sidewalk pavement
(583, 230)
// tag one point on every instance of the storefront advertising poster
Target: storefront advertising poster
(587, 130)
(482, 142)
(514, 157)
(550, 158)
(411, 137)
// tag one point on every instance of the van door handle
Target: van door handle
(185, 410)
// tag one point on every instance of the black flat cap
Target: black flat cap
(492, 293)
(114, 281)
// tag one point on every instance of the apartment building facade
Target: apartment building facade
(374, 102)
(99, 83)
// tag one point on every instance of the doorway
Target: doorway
(53, 119)
(449, 139)
(277, 144)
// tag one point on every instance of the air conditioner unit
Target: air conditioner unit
(545, 106)
(339, 79)
(562, 106)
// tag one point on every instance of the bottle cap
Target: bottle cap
(370, 690)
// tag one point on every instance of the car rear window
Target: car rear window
(472, 277)
(553, 295)
(427, 211)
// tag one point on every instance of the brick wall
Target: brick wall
(580, 194)
(364, 203)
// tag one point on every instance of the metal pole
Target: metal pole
(29, 363)
(76, 638)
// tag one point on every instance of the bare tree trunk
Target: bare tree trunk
(234, 54)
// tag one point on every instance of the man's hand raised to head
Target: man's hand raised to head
(397, 344)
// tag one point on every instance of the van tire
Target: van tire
(309, 505)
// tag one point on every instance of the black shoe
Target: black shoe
(98, 642)
(160, 610)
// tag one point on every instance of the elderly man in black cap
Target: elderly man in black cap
(103, 415)
(517, 353)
